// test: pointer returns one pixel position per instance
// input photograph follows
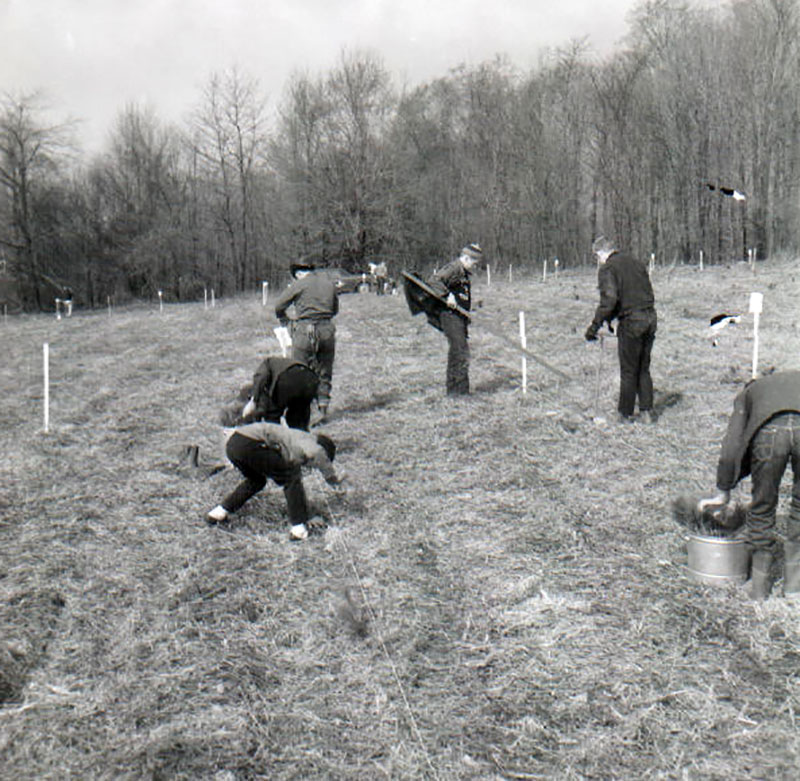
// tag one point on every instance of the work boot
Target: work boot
(623, 419)
(760, 583)
(791, 572)
(648, 416)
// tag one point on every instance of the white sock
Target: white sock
(219, 513)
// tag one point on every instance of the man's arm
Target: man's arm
(727, 467)
(285, 301)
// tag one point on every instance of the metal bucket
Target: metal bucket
(716, 560)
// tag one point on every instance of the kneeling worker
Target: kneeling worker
(283, 388)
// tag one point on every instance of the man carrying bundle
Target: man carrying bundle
(447, 311)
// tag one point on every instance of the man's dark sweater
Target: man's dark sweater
(760, 400)
(624, 289)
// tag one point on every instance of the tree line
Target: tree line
(646, 146)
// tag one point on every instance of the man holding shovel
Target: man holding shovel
(762, 437)
(627, 296)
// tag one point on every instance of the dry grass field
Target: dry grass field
(501, 594)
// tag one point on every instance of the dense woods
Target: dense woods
(350, 169)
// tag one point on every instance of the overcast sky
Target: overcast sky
(92, 57)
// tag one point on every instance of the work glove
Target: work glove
(591, 333)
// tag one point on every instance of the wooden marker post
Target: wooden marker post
(46, 374)
(510, 273)
(213, 303)
(756, 307)
(652, 261)
(160, 301)
(523, 340)
(701, 260)
(108, 301)
(264, 292)
(555, 266)
(205, 298)
(544, 270)
(58, 309)
(488, 275)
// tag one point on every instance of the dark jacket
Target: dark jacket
(314, 298)
(265, 379)
(453, 278)
(625, 289)
(760, 400)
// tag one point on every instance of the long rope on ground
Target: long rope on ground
(374, 618)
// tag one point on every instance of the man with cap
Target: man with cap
(453, 285)
(762, 438)
(313, 295)
(627, 296)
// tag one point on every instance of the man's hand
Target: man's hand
(337, 483)
(722, 497)
(591, 333)
(451, 301)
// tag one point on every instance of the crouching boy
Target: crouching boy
(262, 451)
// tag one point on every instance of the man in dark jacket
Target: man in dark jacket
(452, 284)
(284, 388)
(627, 296)
(315, 301)
(763, 435)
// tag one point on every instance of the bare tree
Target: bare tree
(31, 153)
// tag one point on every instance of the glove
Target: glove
(591, 333)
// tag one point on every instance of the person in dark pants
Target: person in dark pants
(627, 296)
(284, 388)
(762, 438)
(452, 283)
(316, 303)
(263, 451)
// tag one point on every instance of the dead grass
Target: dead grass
(501, 594)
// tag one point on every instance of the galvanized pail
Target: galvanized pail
(717, 561)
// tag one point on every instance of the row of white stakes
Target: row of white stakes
(756, 307)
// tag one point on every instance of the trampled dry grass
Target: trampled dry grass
(518, 600)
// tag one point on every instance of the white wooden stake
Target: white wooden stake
(652, 261)
(510, 272)
(555, 263)
(264, 292)
(160, 301)
(213, 304)
(523, 339)
(205, 298)
(701, 260)
(46, 371)
(544, 270)
(58, 309)
(756, 307)
(108, 301)
(488, 275)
